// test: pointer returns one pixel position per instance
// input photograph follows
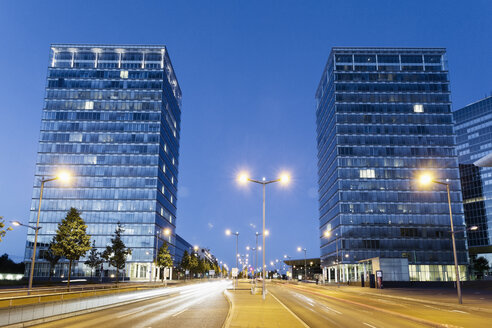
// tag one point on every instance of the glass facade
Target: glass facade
(474, 141)
(111, 117)
(383, 117)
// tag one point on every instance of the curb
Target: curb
(227, 321)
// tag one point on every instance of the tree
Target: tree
(480, 265)
(71, 239)
(3, 231)
(193, 263)
(94, 259)
(9, 266)
(185, 262)
(116, 253)
(201, 266)
(50, 256)
(164, 259)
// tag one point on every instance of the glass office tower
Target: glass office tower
(384, 117)
(474, 140)
(111, 117)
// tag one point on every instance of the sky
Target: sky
(248, 71)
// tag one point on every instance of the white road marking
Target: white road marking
(433, 307)
(176, 314)
(295, 316)
(460, 311)
(129, 313)
(369, 325)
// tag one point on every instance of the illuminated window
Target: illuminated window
(124, 74)
(89, 105)
(171, 199)
(162, 190)
(418, 108)
(164, 168)
(367, 174)
(172, 180)
(75, 137)
(173, 161)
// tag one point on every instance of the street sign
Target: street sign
(211, 272)
(234, 272)
(187, 272)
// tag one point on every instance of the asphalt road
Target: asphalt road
(200, 305)
(333, 308)
(317, 311)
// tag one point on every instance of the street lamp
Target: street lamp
(228, 233)
(299, 249)
(62, 176)
(284, 179)
(426, 179)
(166, 232)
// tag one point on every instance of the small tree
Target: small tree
(50, 256)
(480, 265)
(194, 263)
(3, 231)
(185, 262)
(164, 259)
(71, 239)
(116, 253)
(94, 259)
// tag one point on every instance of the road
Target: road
(334, 308)
(199, 305)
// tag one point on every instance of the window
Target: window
(89, 105)
(367, 174)
(76, 137)
(418, 108)
(124, 74)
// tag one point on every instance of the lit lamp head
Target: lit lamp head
(16, 223)
(243, 177)
(247, 248)
(284, 178)
(228, 232)
(327, 233)
(167, 232)
(195, 248)
(267, 232)
(473, 228)
(299, 249)
(64, 176)
(425, 179)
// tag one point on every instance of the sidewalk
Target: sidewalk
(249, 310)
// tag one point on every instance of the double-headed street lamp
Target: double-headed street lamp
(327, 234)
(427, 179)
(62, 176)
(299, 249)
(284, 178)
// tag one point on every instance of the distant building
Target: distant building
(474, 142)
(296, 269)
(111, 116)
(383, 117)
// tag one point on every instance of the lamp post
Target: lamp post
(228, 233)
(289, 257)
(327, 234)
(243, 178)
(63, 176)
(426, 179)
(299, 249)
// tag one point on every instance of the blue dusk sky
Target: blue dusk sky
(249, 71)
